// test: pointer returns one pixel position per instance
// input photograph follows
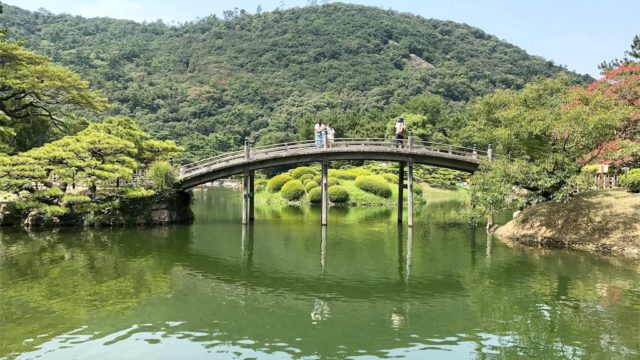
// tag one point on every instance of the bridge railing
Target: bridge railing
(301, 147)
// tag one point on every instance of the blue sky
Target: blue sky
(577, 34)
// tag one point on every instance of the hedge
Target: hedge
(292, 190)
(338, 194)
(311, 185)
(276, 183)
(260, 185)
(374, 184)
(297, 173)
(315, 195)
(392, 178)
(306, 177)
(631, 180)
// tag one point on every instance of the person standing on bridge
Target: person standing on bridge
(319, 129)
(331, 135)
(399, 130)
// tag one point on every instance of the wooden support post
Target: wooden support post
(325, 193)
(490, 213)
(245, 198)
(400, 191)
(410, 193)
(252, 189)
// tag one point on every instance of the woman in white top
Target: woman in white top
(331, 133)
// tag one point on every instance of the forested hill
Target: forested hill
(210, 82)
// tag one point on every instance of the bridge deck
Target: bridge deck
(249, 159)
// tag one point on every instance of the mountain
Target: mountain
(209, 83)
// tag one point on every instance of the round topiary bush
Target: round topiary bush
(260, 185)
(374, 184)
(338, 194)
(631, 180)
(317, 178)
(392, 178)
(306, 177)
(311, 185)
(333, 181)
(292, 190)
(315, 195)
(276, 182)
(297, 173)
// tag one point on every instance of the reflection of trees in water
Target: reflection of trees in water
(57, 281)
(557, 311)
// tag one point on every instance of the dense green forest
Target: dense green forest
(209, 83)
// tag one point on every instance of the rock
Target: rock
(8, 214)
(516, 213)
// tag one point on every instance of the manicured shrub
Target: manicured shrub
(315, 195)
(69, 199)
(317, 178)
(311, 185)
(338, 194)
(276, 182)
(259, 185)
(374, 184)
(333, 181)
(306, 177)
(48, 193)
(392, 178)
(631, 180)
(136, 193)
(292, 190)
(297, 173)
(360, 171)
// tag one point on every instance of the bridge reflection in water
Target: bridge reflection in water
(407, 154)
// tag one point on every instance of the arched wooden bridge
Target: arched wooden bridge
(411, 152)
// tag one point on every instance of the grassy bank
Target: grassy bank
(604, 221)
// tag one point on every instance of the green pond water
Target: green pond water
(282, 288)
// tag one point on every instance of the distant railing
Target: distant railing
(408, 146)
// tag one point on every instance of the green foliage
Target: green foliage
(440, 177)
(591, 169)
(276, 182)
(631, 180)
(311, 185)
(374, 184)
(51, 193)
(39, 101)
(348, 174)
(333, 181)
(318, 178)
(162, 175)
(298, 172)
(540, 133)
(69, 199)
(306, 177)
(260, 185)
(209, 83)
(136, 193)
(315, 195)
(338, 194)
(292, 190)
(392, 178)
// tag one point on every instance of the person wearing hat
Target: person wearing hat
(399, 127)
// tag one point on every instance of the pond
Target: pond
(283, 288)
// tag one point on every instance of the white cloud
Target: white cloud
(119, 9)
